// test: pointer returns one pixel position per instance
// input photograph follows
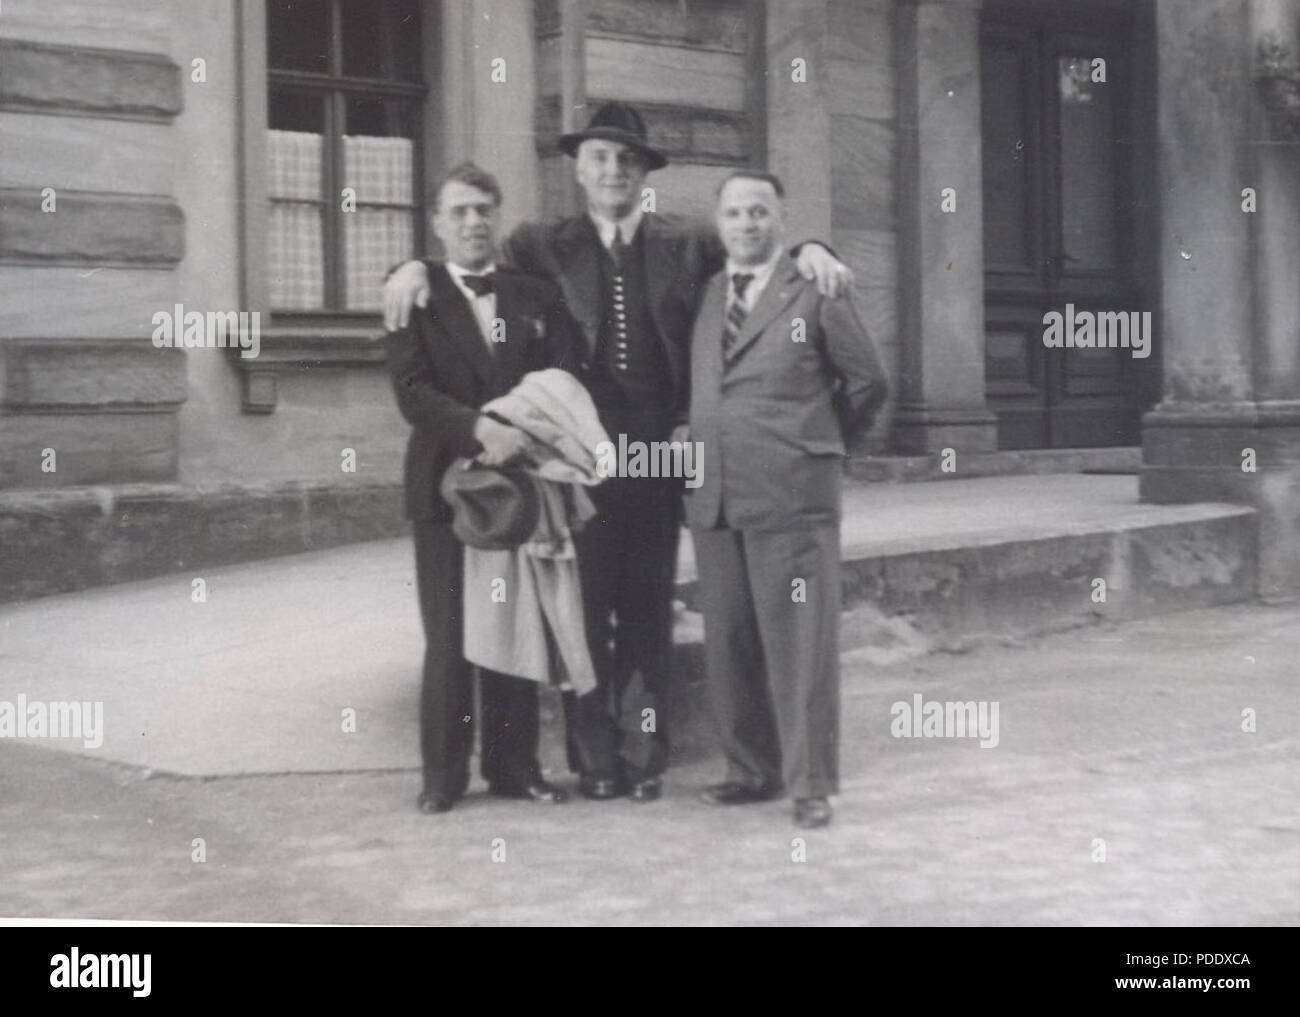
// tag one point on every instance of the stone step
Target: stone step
(255, 677)
(944, 565)
(948, 567)
(74, 537)
(80, 537)
(1011, 462)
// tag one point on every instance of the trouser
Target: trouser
(627, 558)
(771, 645)
(509, 704)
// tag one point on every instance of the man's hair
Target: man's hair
(748, 174)
(468, 173)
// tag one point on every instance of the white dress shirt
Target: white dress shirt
(484, 307)
(628, 224)
(761, 273)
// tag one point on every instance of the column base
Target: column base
(1233, 452)
(919, 430)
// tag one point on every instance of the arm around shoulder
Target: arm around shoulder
(855, 360)
(565, 345)
(519, 249)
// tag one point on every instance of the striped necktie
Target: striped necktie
(736, 312)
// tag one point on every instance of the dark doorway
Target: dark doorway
(1064, 110)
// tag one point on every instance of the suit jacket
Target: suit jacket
(680, 255)
(443, 370)
(774, 418)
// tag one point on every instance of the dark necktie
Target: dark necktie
(617, 248)
(735, 310)
(482, 285)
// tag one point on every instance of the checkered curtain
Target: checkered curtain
(374, 239)
(295, 247)
(381, 170)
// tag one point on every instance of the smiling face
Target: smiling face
(750, 220)
(612, 174)
(466, 223)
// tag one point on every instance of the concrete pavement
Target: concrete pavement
(1125, 739)
(1122, 788)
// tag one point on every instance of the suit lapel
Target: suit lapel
(661, 263)
(577, 245)
(511, 361)
(782, 287)
(663, 259)
(706, 348)
(455, 317)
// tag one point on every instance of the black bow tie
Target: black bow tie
(482, 285)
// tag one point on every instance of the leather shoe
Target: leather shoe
(431, 803)
(733, 793)
(536, 790)
(648, 789)
(598, 787)
(810, 813)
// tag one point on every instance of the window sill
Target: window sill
(305, 346)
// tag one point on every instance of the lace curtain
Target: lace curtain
(381, 171)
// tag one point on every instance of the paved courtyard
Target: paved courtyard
(1121, 742)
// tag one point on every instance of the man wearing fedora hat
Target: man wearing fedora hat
(632, 279)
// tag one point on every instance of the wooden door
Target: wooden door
(1058, 187)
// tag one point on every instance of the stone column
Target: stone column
(1228, 427)
(488, 91)
(798, 111)
(561, 70)
(941, 254)
(830, 136)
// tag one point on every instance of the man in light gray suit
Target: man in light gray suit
(780, 379)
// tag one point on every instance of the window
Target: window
(345, 102)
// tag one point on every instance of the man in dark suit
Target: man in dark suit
(483, 329)
(781, 377)
(633, 279)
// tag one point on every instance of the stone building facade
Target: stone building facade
(977, 162)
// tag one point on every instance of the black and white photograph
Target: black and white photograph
(631, 463)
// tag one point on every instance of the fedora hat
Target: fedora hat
(494, 509)
(616, 121)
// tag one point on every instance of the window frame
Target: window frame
(284, 327)
(333, 89)
(453, 34)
